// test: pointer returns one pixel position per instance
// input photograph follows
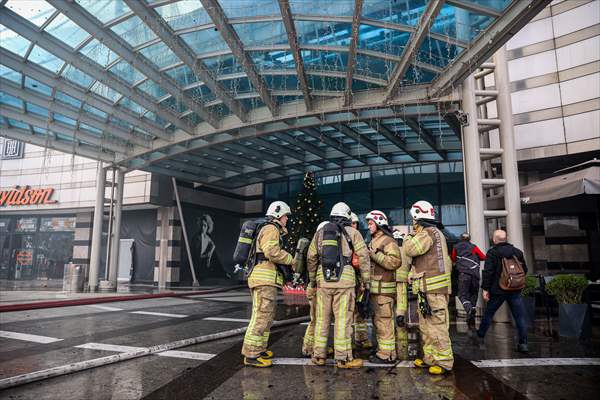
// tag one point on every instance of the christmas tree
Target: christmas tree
(305, 213)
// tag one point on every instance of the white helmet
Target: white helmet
(354, 218)
(321, 225)
(278, 209)
(422, 210)
(341, 209)
(378, 217)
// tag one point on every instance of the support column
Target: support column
(97, 227)
(113, 268)
(510, 172)
(472, 167)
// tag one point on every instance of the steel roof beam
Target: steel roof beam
(181, 49)
(38, 73)
(111, 40)
(53, 106)
(290, 28)
(413, 45)
(234, 158)
(306, 146)
(425, 134)
(244, 149)
(43, 39)
(321, 136)
(75, 134)
(207, 162)
(517, 15)
(352, 51)
(474, 7)
(361, 140)
(190, 168)
(216, 13)
(45, 141)
(282, 150)
(184, 176)
(392, 137)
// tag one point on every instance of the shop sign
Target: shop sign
(24, 196)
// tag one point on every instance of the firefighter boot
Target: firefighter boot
(437, 370)
(257, 362)
(266, 355)
(318, 361)
(356, 363)
(376, 360)
(419, 363)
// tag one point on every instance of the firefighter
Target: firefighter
(402, 299)
(466, 256)
(263, 282)
(336, 286)
(431, 279)
(385, 260)
(361, 330)
(311, 294)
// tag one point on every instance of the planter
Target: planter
(529, 305)
(574, 321)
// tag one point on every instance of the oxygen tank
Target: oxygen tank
(245, 242)
(330, 257)
(301, 253)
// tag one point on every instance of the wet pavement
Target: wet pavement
(556, 368)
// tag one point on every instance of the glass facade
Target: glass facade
(392, 190)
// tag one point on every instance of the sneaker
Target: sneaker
(266, 355)
(356, 363)
(419, 363)
(437, 370)
(522, 348)
(318, 361)
(376, 360)
(257, 362)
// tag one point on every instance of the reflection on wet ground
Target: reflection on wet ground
(62, 336)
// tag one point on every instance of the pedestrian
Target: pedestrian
(496, 259)
(431, 281)
(264, 279)
(361, 329)
(329, 261)
(466, 257)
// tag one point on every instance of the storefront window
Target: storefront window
(57, 224)
(26, 225)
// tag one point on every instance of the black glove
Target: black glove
(400, 320)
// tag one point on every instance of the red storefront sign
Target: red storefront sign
(24, 196)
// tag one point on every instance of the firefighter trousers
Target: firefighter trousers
(468, 289)
(340, 302)
(385, 326)
(434, 330)
(264, 302)
(309, 334)
(361, 330)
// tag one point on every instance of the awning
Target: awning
(585, 181)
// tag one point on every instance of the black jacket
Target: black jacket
(493, 266)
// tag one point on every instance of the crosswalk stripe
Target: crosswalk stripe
(106, 308)
(28, 337)
(191, 355)
(533, 362)
(158, 314)
(226, 319)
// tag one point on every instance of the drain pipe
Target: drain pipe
(98, 362)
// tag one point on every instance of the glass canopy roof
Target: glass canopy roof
(189, 87)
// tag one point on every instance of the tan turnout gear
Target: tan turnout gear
(361, 329)
(432, 268)
(263, 282)
(402, 305)
(385, 260)
(336, 297)
(309, 334)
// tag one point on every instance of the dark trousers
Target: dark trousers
(468, 289)
(515, 302)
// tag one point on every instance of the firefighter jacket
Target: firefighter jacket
(402, 283)
(348, 279)
(429, 252)
(385, 260)
(269, 254)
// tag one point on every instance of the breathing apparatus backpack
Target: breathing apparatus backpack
(244, 255)
(332, 258)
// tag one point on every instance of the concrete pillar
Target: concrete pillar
(510, 172)
(113, 265)
(97, 227)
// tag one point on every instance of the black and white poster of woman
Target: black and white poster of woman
(206, 259)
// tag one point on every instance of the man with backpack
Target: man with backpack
(503, 278)
(264, 279)
(361, 329)
(329, 262)
(466, 256)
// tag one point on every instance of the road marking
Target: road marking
(28, 337)
(158, 314)
(306, 361)
(190, 355)
(106, 308)
(226, 319)
(534, 362)
(306, 323)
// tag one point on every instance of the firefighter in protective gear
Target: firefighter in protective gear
(311, 294)
(361, 329)
(431, 277)
(466, 257)
(402, 300)
(263, 282)
(337, 297)
(385, 260)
